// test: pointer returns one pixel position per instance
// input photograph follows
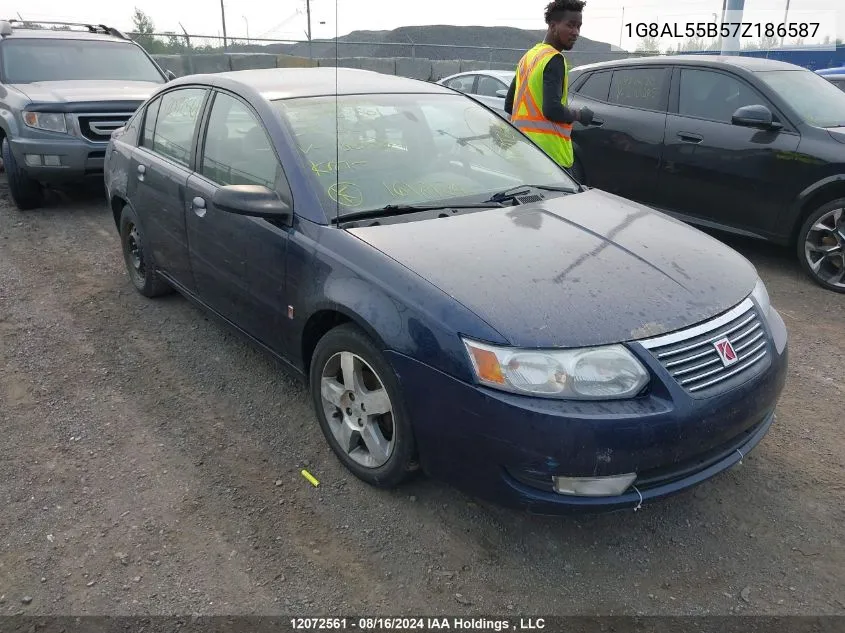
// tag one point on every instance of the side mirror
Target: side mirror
(502, 94)
(253, 200)
(170, 75)
(758, 116)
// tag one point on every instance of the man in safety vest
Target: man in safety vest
(537, 99)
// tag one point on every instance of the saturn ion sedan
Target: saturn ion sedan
(457, 303)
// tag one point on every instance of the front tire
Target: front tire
(821, 246)
(359, 406)
(26, 193)
(138, 257)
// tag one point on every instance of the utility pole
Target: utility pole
(187, 37)
(308, 11)
(785, 15)
(724, 4)
(731, 45)
(223, 16)
(622, 27)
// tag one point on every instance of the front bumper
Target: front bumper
(78, 158)
(506, 448)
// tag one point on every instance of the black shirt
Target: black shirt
(553, 109)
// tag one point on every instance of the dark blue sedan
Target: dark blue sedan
(456, 302)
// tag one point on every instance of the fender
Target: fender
(792, 215)
(8, 123)
(397, 308)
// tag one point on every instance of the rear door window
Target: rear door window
(176, 124)
(644, 88)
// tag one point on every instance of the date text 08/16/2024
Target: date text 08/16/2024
(722, 29)
(401, 624)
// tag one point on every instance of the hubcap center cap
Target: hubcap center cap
(353, 409)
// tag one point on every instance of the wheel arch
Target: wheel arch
(814, 196)
(326, 318)
(116, 203)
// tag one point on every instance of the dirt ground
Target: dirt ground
(150, 465)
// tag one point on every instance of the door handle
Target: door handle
(596, 122)
(198, 205)
(141, 171)
(690, 138)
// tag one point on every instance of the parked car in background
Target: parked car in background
(64, 88)
(464, 307)
(741, 144)
(488, 86)
(836, 76)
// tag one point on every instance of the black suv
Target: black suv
(751, 146)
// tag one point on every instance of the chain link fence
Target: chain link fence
(493, 56)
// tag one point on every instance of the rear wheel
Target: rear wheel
(359, 405)
(26, 193)
(138, 257)
(821, 245)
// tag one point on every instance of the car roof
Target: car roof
(50, 34)
(752, 64)
(501, 74)
(291, 83)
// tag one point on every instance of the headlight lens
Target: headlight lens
(595, 373)
(761, 295)
(50, 121)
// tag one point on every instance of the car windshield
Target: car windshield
(410, 149)
(816, 100)
(32, 60)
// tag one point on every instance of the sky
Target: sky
(604, 20)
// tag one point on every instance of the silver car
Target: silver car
(490, 87)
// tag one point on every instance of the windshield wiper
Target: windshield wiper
(401, 209)
(519, 190)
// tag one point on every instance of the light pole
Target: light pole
(247, 29)
(223, 16)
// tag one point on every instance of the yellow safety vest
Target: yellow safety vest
(553, 138)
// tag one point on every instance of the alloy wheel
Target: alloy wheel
(824, 248)
(358, 409)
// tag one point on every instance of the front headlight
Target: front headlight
(761, 295)
(594, 373)
(50, 121)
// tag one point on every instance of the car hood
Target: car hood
(70, 92)
(583, 269)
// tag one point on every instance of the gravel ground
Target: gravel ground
(150, 465)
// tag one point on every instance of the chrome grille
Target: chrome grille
(98, 127)
(691, 356)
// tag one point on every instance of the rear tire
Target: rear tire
(137, 255)
(359, 405)
(26, 193)
(821, 246)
